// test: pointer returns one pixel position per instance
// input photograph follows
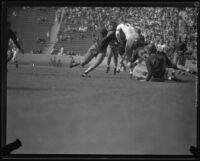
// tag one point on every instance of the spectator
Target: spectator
(61, 51)
(47, 36)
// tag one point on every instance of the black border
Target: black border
(110, 3)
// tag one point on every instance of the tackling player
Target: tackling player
(98, 49)
(133, 39)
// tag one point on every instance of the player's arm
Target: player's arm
(107, 37)
(14, 38)
(149, 69)
(181, 67)
(118, 34)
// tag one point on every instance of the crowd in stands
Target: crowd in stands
(62, 51)
(42, 20)
(160, 25)
(152, 20)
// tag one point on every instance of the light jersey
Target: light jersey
(128, 30)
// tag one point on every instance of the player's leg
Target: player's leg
(91, 53)
(183, 68)
(100, 57)
(15, 55)
(9, 55)
(115, 57)
(121, 52)
(128, 53)
(87, 58)
(109, 54)
(134, 60)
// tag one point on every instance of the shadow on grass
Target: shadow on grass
(182, 81)
(40, 89)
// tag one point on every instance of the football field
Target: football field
(53, 110)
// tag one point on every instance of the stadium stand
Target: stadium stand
(27, 27)
(79, 25)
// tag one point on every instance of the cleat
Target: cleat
(130, 75)
(16, 64)
(118, 70)
(73, 64)
(175, 79)
(108, 69)
(85, 75)
(124, 68)
(115, 71)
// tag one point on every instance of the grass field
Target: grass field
(54, 110)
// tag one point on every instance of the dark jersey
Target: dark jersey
(11, 35)
(121, 47)
(114, 41)
(101, 35)
(156, 65)
(106, 40)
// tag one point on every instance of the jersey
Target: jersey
(101, 35)
(106, 40)
(156, 65)
(128, 30)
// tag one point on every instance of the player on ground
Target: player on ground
(158, 62)
(98, 49)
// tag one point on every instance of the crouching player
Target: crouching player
(98, 49)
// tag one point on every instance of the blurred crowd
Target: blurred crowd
(160, 25)
(161, 21)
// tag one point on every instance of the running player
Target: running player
(98, 49)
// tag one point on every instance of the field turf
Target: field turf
(53, 110)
